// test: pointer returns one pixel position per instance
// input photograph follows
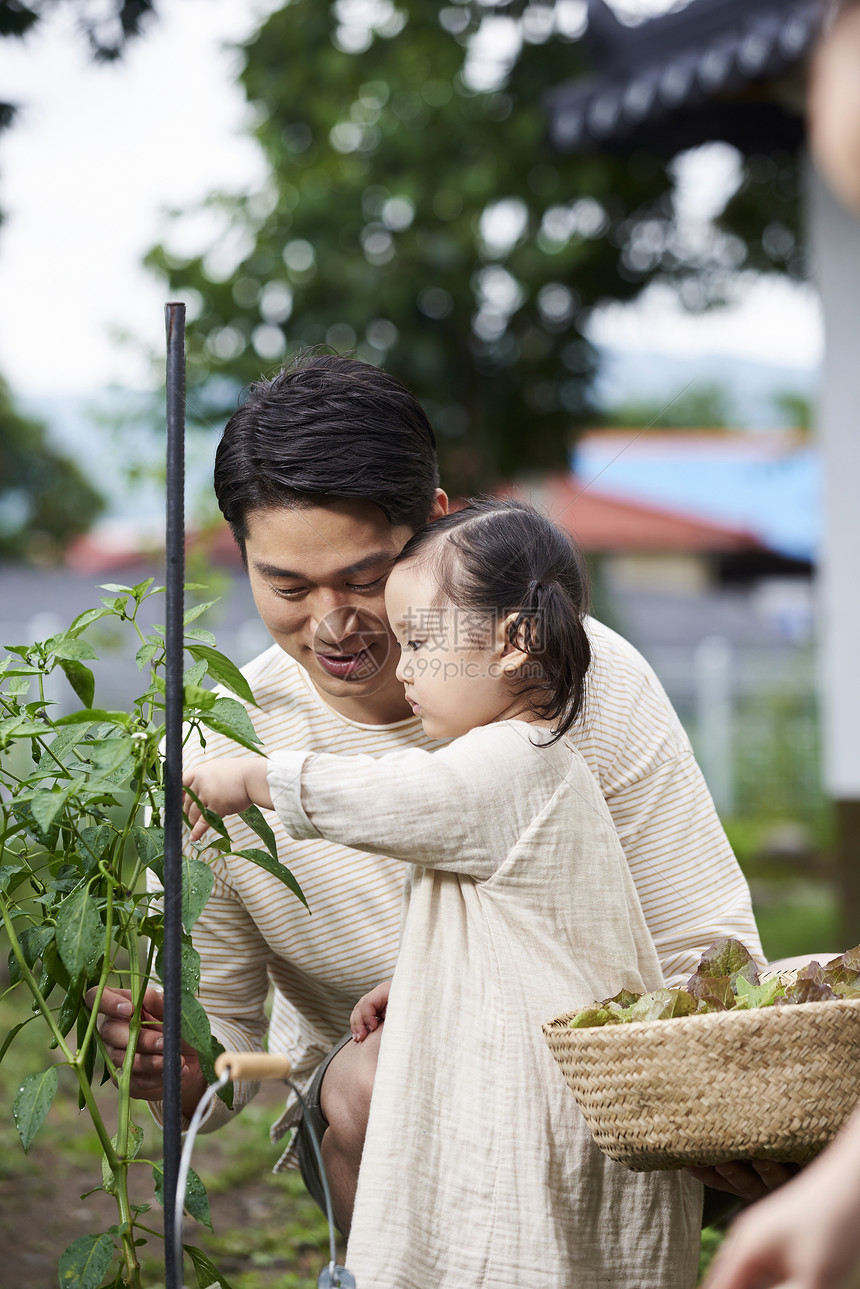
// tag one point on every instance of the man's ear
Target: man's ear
(512, 654)
(440, 505)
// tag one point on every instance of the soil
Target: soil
(42, 1212)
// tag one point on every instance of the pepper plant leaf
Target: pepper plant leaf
(197, 880)
(223, 670)
(264, 860)
(45, 806)
(32, 1103)
(196, 1032)
(253, 817)
(207, 1273)
(196, 1200)
(80, 935)
(85, 1261)
(228, 717)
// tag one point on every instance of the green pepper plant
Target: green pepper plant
(81, 805)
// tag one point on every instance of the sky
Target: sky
(99, 152)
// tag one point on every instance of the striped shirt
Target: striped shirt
(254, 935)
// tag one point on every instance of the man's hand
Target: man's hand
(369, 1012)
(749, 1180)
(226, 786)
(147, 1077)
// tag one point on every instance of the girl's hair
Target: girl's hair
(497, 557)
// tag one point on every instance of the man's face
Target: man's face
(318, 577)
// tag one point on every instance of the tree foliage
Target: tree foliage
(45, 499)
(707, 406)
(420, 222)
(417, 216)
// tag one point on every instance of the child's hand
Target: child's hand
(369, 1012)
(227, 787)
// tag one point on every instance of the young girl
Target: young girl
(478, 1169)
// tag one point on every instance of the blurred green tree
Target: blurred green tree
(417, 216)
(45, 499)
(706, 405)
(418, 221)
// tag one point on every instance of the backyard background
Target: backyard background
(633, 342)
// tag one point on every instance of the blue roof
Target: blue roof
(766, 483)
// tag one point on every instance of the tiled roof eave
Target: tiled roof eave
(759, 44)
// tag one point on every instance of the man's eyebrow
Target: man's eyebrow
(369, 561)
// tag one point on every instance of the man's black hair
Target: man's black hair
(328, 427)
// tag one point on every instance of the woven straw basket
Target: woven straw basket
(769, 1083)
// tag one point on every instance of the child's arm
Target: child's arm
(459, 808)
(226, 786)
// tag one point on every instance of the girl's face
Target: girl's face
(450, 663)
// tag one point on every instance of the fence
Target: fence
(752, 715)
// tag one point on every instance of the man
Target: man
(323, 474)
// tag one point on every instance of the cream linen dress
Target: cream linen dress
(478, 1170)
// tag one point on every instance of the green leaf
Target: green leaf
(81, 679)
(197, 1201)
(115, 586)
(196, 1031)
(32, 1103)
(207, 1273)
(195, 674)
(10, 1035)
(230, 718)
(149, 843)
(224, 671)
(201, 634)
(264, 860)
(92, 716)
(189, 970)
(197, 881)
(255, 820)
(728, 958)
(34, 941)
(663, 1004)
(64, 742)
(590, 1017)
(46, 806)
(93, 844)
(146, 652)
(85, 1261)
(84, 619)
(195, 696)
(20, 727)
(80, 935)
(74, 649)
(8, 873)
(196, 611)
(758, 995)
